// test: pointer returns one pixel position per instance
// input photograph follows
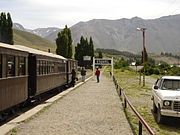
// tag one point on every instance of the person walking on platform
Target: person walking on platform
(73, 77)
(83, 74)
(97, 74)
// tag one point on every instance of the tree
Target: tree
(64, 43)
(79, 51)
(100, 54)
(84, 48)
(91, 44)
(6, 31)
(2, 27)
(122, 63)
(67, 32)
(9, 30)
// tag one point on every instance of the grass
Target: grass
(13, 132)
(140, 97)
(31, 40)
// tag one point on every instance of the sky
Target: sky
(58, 13)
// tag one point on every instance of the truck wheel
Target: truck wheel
(159, 118)
(154, 108)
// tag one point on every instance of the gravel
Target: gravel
(92, 109)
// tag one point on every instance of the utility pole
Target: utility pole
(144, 50)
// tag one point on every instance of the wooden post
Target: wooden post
(139, 77)
(125, 103)
(112, 67)
(93, 66)
(140, 128)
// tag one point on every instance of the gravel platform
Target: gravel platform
(91, 109)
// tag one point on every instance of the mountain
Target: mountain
(18, 26)
(31, 40)
(42, 32)
(162, 34)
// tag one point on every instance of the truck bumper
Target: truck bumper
(171, 113)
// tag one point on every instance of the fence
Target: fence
(142, 122)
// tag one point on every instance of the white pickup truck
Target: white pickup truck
(166, 97)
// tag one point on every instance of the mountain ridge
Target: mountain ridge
(162, 34)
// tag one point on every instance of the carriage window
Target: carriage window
(0, 66)
(59, 67)
(56, 67)
(48, 67)
(63, 68)
(52, 67)
(41, 67)
(10, 66)
(37, 68)
(22, 67)
(39, 62)
(45, 67)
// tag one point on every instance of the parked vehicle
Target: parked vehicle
(166, 97)
(26, 73)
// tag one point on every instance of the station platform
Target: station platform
(90, 108)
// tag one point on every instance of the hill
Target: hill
(133, 57)
(168, 59)
(162, 34)
(31, 40)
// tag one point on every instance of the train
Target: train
(26, 73)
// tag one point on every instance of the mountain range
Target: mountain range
(161, 35)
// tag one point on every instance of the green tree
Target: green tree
(64, 43)
(84, 48)
(3, 27)
(9, 30)
(91, 44)
(79, 51)
(100, 54)
(67, 32)
(6, 31)
(121, 64)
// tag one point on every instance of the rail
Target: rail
(142, 122)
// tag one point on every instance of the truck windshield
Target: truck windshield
(170, 84)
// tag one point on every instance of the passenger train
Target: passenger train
(26, 73)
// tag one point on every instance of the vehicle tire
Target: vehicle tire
(154, 108)
(159, 118)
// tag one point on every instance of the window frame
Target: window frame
(8, 74)
(23, 71)
(1, 66)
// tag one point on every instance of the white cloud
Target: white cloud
(43, 13)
